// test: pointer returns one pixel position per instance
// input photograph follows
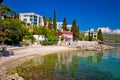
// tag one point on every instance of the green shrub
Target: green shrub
(24, 43)
(52, 38)
(46, 42)
(29, 37)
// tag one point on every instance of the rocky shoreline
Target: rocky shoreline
(96, 48)
(20, 57)
(90, 46)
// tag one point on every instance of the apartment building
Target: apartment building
(32, 19)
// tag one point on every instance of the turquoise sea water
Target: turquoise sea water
(74, 65)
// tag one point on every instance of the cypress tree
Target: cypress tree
(99, 35)
(64, 25)
(54, 21)
(90, 35)
(50, 23)
(75, 30)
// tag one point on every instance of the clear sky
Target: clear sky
(88, 13)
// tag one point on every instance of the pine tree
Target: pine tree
(64, 25)
(100, 36)
(75, 30)
(50, 23)
(54, 21)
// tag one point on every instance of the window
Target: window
(25, 20)
(35, 18)
(31, 17)
(95, 36)
(26, 15)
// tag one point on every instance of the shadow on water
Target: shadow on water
(73, 65)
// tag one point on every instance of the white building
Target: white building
(91, 33)
(32, 19)
(39, 37)
(59, 26)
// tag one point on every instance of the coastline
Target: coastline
(23, 54)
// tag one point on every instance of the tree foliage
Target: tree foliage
(12, 30)
(111, 37)
(41, 30)
(7, 11)
(45, 21)
(29, 37)
(54, 21)
(64, 25)
(100, 36)
(81, 36)
(50, 40)
(75, 30)
(50, 26)
(90, 36)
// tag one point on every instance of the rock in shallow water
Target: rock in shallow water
(12, 77)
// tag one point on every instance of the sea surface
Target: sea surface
(74, 65)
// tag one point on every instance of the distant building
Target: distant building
(59, 26)
(69, 27)
(68, 36)
(39, 37)
(7, 17)
(91, 33)
(31, 19)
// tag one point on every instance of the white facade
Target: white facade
(59, 26)
(39, 37)
(91, 33)
(68, 36)
(69, 27)
(31, 18)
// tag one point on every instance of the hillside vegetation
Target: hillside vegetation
(111, 37)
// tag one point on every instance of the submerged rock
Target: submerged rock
(12, 77)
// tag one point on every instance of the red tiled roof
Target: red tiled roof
(64, 32)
